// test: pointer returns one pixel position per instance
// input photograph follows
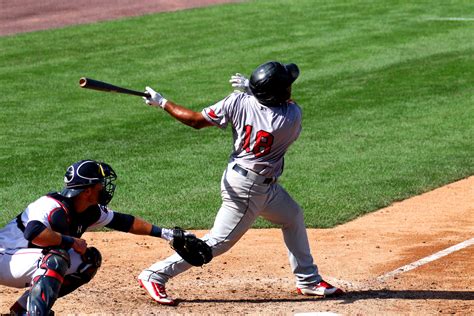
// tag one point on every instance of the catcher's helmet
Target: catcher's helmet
(86, 173)
(270, 83)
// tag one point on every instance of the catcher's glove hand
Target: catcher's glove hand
(192, 249)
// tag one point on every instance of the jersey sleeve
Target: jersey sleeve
(59, 220)
(105, 218)
(41, 211)
(219, 114)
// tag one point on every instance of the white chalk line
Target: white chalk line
(393, 273)
(426, 260)
(405, 268)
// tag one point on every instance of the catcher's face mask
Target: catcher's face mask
(86, 173)
(108, 183)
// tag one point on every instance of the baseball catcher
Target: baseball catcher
(45, 240)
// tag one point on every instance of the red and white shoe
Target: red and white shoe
(157, 292)
(322, 289)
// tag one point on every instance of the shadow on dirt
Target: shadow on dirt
(409, 295)
(356, 296)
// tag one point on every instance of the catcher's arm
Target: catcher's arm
(138, 226)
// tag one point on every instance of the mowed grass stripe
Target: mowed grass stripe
(387, 96)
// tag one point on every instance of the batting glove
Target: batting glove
(240, 83)
(155, 98)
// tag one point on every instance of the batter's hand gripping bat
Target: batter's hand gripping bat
(107, 87)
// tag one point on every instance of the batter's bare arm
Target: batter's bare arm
(184, 115)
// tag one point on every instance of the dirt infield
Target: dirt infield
(254, 277)
(33, 15)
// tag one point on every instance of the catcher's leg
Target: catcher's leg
(47, 282)
(18, 267)
(91, 262)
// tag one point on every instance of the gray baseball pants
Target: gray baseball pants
(244, 199)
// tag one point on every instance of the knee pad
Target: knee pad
(91, 262)
(45, 288)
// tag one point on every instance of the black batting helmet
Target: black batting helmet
(270, 82)
(86, 173)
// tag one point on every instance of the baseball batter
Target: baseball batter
(264, 122)
(42, 247)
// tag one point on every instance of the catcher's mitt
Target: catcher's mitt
(192, 249)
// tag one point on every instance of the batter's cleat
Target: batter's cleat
(321, 289)
(157, 292)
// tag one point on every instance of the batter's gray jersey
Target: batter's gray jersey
(261, 134)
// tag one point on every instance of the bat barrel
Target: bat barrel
(83, 82)
(107, 87)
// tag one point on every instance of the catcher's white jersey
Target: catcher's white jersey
(19, 260)
(11, 237)
(261, 134)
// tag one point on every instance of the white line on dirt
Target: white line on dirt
(347, 285)
(425, 260)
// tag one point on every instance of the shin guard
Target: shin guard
(45, 288)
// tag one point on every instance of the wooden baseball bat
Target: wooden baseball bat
(88, 83)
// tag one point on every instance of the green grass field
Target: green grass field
(386, 87)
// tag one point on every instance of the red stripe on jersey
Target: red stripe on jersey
(212, 114)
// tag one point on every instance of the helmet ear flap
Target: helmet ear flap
(293, 71)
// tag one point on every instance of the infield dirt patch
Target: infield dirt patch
(32, 15)
(254, 277)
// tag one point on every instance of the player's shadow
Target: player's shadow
(354, 296)
(407, 295)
